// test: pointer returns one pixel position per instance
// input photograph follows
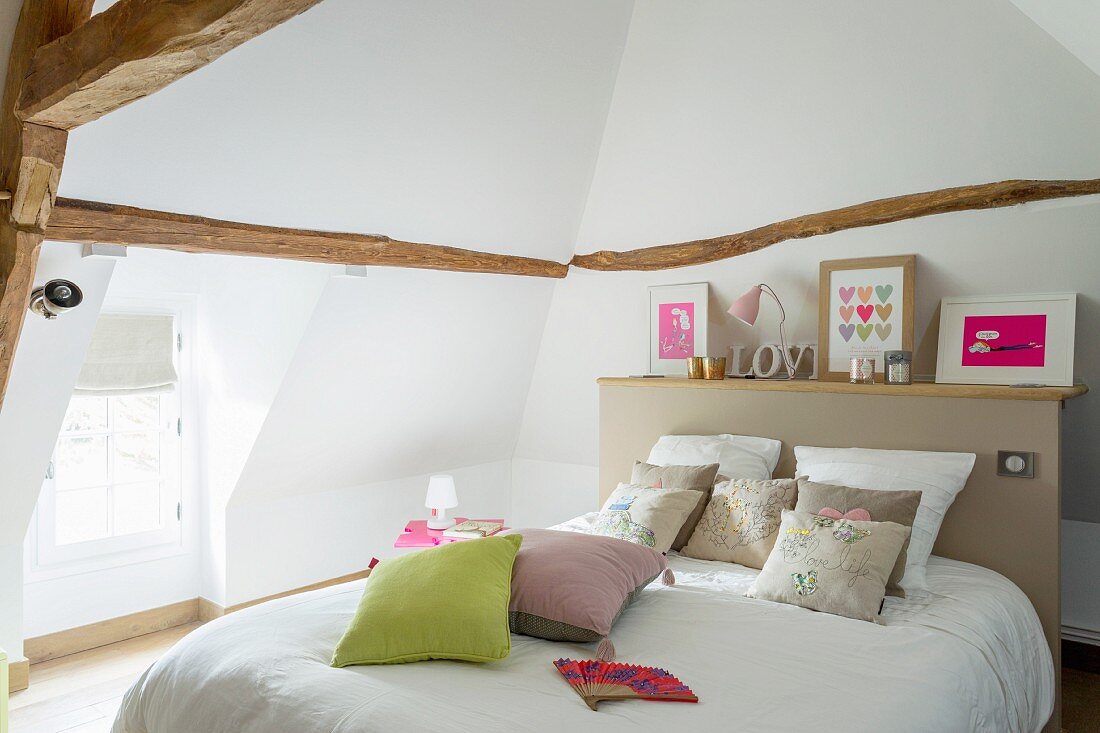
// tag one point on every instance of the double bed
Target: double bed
(976, 651)
(968, 655)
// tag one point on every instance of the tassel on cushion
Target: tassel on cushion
(668, 577)
(606, 650)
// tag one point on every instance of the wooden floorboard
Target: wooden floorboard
(80, 693)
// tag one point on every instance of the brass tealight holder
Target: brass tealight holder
(695, 367)
(714, 367)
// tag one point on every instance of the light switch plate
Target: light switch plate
(1015, 463)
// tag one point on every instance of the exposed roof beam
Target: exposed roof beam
(90, 222)
(30, 166)
(882, 211)
(135, 48)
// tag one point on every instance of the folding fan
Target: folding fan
(595, 680)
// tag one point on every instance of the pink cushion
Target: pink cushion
(579, 580)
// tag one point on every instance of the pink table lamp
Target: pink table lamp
(747, 308)
(441, 497)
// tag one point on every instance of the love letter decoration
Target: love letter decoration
(866, 308)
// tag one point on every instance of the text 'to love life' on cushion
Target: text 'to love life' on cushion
(569, 586)
(843, 502)
(447, 602)
(830, 565)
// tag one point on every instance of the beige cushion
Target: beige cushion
(741, 520)
(645, 515)
(883, 506)
(830, 565)
(694, 478)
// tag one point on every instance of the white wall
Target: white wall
(728, 116)
(283, 543)
(46, 364)
(250, 317)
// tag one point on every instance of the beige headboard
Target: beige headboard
(1008, 524)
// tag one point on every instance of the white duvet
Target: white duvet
(970, 655)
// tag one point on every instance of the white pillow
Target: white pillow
(737, 456)
(938, 476)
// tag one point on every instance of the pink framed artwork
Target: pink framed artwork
(1007, 339)
(677, 326)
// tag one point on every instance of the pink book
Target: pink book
(417, 534)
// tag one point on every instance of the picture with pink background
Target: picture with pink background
(1004, 341)
(676, 330)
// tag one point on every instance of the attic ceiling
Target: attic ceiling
(1073, 23)
(475, 124)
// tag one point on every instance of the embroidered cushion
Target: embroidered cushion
(879, 506)
(838, 566)
(693, 478)
(741, 521)
(569, 586)
(644, 515)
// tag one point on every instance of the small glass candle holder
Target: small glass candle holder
(695, 367)
(899, 367)
(862, 370)
(714, 367)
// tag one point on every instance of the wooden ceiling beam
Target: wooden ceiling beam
(30, 168)
(135, 48)
(872, 213)
(88, 222)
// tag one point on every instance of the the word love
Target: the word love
(767, 360)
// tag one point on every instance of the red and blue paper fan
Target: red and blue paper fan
(595, 680)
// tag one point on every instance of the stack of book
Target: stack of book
(472, 529)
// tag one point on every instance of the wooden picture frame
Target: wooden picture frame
(865, 307)
(673, 335)
(1007, 339)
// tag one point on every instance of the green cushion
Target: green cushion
(449, 602)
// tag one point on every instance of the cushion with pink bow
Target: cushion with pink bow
(856, 515)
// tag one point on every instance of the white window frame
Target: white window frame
(46, 561)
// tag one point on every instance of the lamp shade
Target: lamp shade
(441, 492)
(747, 307)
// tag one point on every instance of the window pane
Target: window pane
(137, 508)
(81, 515)
(80, 462)
(86, 414)
(137, 412)
(137, 457)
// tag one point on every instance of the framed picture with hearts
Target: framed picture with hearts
(866, 308)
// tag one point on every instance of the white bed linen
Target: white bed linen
(970, 655)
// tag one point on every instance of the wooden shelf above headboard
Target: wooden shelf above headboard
(917, 389)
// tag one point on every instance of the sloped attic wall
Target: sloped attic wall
(473, 124)
(727, 116)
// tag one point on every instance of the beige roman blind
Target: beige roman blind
(129, 354)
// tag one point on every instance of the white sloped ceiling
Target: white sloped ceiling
(471, 123)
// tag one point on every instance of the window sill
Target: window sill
(34, 573)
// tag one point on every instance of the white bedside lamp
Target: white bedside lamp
(441, 497)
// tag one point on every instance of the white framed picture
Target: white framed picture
(677, 326)
(1007, 339)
